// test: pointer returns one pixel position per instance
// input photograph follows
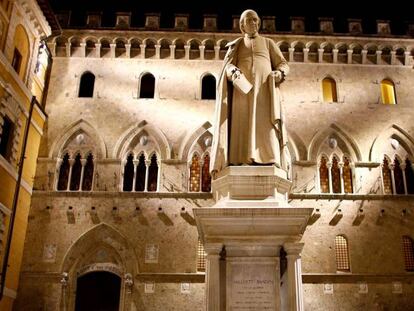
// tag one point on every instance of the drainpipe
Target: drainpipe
(16, 199)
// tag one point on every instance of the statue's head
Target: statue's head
(249, 22)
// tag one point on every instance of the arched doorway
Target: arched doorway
(98, 291)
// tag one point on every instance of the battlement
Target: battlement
(215, 23)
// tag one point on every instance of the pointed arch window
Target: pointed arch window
(409, 176)
(398, 178)
(386, 177)
(408, 249)
(347, 176)
(153, 174)
(205, 176)
(128, 173)
(201, 257)
(76, 173)
(195, 174)
(342, 254)
(87, 83)
(388, 92)
(329, 90)
(141, 174)
(336, 176)
(208, 87)
(64, 173)
(147, 86)
(324, 175)
(88, 173)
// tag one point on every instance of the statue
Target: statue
(248, 121)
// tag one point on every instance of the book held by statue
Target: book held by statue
(242, 84)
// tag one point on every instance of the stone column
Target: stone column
(136, 162)
(83, 163)
(403, 167)
(202, 49)
(407, 56)
(320, 55)
(393, 58)
(68, 44)
(305, 55)
(391, 167)
(172, 51)
(294, 270)
(128, 50)
(98, 50)
(329, 165)
(291, 51)
(217, 52)
(157, 51)
(213, 276)
(158, 175)
(349, 59)
(187, 51)
(142, 46)
(341, 177)
(71, 162)
(147, 164)
(335, 55)
(83, 49)
(113, 47)
(378, 61)
(364, 56)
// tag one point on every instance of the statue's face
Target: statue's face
(251, 24)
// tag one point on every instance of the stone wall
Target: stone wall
(174, 121)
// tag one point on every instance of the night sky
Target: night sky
(311, 10)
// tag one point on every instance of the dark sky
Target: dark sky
(369, 11)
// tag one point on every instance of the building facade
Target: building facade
(125, 159)
(23, 66)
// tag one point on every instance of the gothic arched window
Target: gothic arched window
(141, 174)
(409, 176)
(87, 83)
(347, 176)
(329, 90)
(336, 176)
(342, 253)
(398, 178)
(205, 175)
(324, 175)
(208, 87)
(195, 174)
(147, 86)
(129, 173)
(76, 173)
(64, 173)
(88, 173)
(386, 177)
(388, 92)
(153, 174)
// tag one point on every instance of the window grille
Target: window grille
(408, 249)
(201, 257)
(342, 255)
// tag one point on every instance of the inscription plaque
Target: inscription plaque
(251, 286)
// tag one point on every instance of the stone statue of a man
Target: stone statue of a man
(248, 120)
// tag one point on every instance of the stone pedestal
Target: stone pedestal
(243, 235)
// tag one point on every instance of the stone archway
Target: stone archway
(102, 249)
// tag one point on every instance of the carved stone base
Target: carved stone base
(247, 227)
(251, 186)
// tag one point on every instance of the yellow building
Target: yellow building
(24, 65)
